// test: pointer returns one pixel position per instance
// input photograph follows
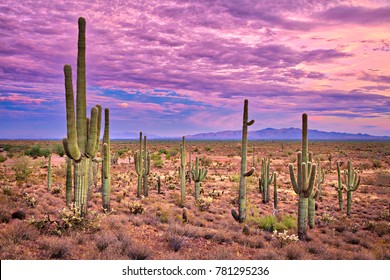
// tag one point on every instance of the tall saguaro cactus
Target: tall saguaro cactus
(106, 175)
(306, 174)
(198, 175)
(241, 215)
(265, 179)
(138, 166)
(82, 135)
(49, 173)
(352, 182)
(146, 171)
(339, 187)
(182, 170)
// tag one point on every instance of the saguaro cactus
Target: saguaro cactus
(320, 178)
(182, 170)
(352, 182)
(49, 173)
(241, 215)
(146, 170)
(82, 136)
(106, 175)
(198, 175)
(275, 194)
(306, 174)
(339, 187)
(266, 179)
(68, 181)
(138, 166)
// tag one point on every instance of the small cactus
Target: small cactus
(266, 179)
(158, 184)
(198, 175)
(241, 215)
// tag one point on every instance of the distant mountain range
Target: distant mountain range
(285, 134)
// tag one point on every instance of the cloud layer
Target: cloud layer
(180, 67)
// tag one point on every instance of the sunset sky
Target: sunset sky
(174, 68)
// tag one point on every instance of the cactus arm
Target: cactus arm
(72, 146)
(91, 147)
(299, 171)
(99, 124)
(249, 172)
(81, 89)
(296, 187)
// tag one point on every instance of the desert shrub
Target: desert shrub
(19, 231)
(120, 152)
(203, 204)
(6, 190)
(59, 150)
(56, 248)
(294, 252)
(271, 223)
(382, 178)
(284, 238)
(326, 218)
(376, 163)
(56, 190)
(206, 161)
(157, 160)
(2, 158)
(36, 151)
(104, 240)
(175, 241)
(135, 207)
(30, 200)
(22, 169)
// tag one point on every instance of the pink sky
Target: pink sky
(173, 68)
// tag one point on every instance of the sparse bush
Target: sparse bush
(36, 151)
(2, 158)
(22, 169)
(56, 248)
(135, 207)
(204, 204)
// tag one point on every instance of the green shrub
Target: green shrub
(59, 150)
(2, 158)
(22, 169)
(37, 151)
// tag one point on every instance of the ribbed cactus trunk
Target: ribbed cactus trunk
(182, 170)
(82, 135)
(49, 175)
(352, 181)
(306, 174)
(68, 182)
(241, 215)
(106, 175)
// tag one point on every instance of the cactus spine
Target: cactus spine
(146, 170)
(49, 173)
(82, 135)
(352, 182)
(266, 179)
(339, 187)
(68, 181)
(241, 215)
(198, 175)
(306, 174)
(182, 170)
(106, 176)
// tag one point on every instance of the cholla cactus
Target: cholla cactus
(284, 238)
(241, 215)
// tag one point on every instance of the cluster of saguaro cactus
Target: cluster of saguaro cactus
(265, 179)
(306, 174)
(182, 170)
(198, 175)
(49, 173)
(241, 215)
(142, 167)
(81, 144)
(106, 176)
(352, 181)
